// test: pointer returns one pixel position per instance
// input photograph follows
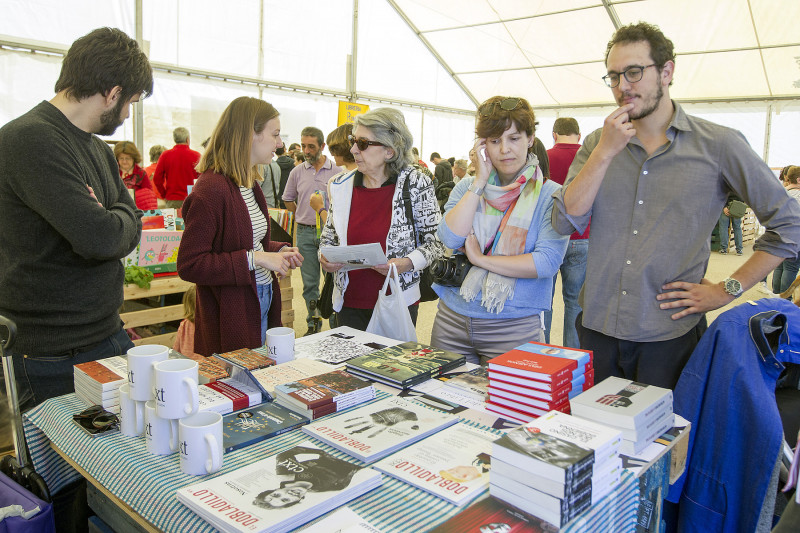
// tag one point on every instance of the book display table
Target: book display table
(143, 485)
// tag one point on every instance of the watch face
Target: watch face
(733, 287)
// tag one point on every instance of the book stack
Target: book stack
(98, 382)
(287, 372)
(324, 394)
(555, 467)
(280, 493)
(534, 379)
(381, 428)
(228, 395)
(405, 365)
(641, 412)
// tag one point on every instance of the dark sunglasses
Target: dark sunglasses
(97, 417)
(506, 104)
(362, 143)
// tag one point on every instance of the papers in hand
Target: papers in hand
(355, 256)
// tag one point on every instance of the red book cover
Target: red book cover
(513, 415)
(499, 372)
(240, 400)
(539, 403)
(493, 516)
(533, 365)
(533, 410)
(544, 394)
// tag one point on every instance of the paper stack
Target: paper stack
(555, 467)
(641, 412)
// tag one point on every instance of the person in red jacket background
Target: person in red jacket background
(134, 176)
(226, 248)
(176, 170)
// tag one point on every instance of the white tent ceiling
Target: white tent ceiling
(552, 51)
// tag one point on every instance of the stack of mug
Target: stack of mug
(160, 400)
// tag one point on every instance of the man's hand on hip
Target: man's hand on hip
(694, 297)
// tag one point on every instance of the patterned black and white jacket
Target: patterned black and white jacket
(400, 239)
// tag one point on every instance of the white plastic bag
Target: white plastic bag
(391, 317)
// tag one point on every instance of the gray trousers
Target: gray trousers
(481, 339)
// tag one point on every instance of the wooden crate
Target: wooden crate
(151, 312)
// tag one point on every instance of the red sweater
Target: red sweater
(175, 172)
(213, 254)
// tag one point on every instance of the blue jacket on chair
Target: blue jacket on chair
(727, 392)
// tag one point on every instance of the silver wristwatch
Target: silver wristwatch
(732, 287)
(476, 190)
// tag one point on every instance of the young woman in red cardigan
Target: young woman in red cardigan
(226, 248)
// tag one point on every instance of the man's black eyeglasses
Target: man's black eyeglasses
(632, 74)
(96, 417)
(506, 104)
(362, 143)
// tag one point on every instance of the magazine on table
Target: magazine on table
(289, 371)
(279, 493)
(452, 464)
(376, 430)
(342, 520)
(493, 516)
(262, 422)
(406, 364)
(355, 256)
(340, 344)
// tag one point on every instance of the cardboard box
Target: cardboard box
(158, 250)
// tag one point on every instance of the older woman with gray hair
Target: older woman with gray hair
(385, 200)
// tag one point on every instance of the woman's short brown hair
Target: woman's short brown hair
(128, 148)
(793, 175)
(493, 119)
(228, 150)
(338, 142)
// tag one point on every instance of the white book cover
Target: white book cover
(288, 372)
(609, 471)
(340, 344)
(227, 395)
(105, 374)
(622, 403)
(645, 432)
(452, 464)
(604, 440)
(279, 493)
(342, 520)
(374, 431)
(630, 447)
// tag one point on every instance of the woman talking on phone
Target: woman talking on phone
(500, 219)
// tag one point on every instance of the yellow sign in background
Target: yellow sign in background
(348, 111)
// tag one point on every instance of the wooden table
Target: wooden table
(165, 313)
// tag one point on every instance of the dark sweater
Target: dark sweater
(60, 271)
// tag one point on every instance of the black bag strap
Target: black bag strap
(409, 213)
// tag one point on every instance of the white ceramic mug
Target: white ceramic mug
(280, 343)
(200, 443)
(175, 388)
(161, 434)
(140, 369)
(131, 413)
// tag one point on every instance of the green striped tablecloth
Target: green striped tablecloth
(148, 483)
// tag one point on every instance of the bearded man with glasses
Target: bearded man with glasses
(654, 180)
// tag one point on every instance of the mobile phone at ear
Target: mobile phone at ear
(92, 431)
(483, 154)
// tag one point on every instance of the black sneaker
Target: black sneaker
(724, 252)
(738, 252)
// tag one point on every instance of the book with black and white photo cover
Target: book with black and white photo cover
(338, 345)
(474, 382)
(609, 470)
(279, 493)
(452, 464)
(331, 387)
(287, 372)
(622, 403)
(604, 440)
(490, 515)
(542, 454)
(380, 428)
(406, 364)
(262, 422)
